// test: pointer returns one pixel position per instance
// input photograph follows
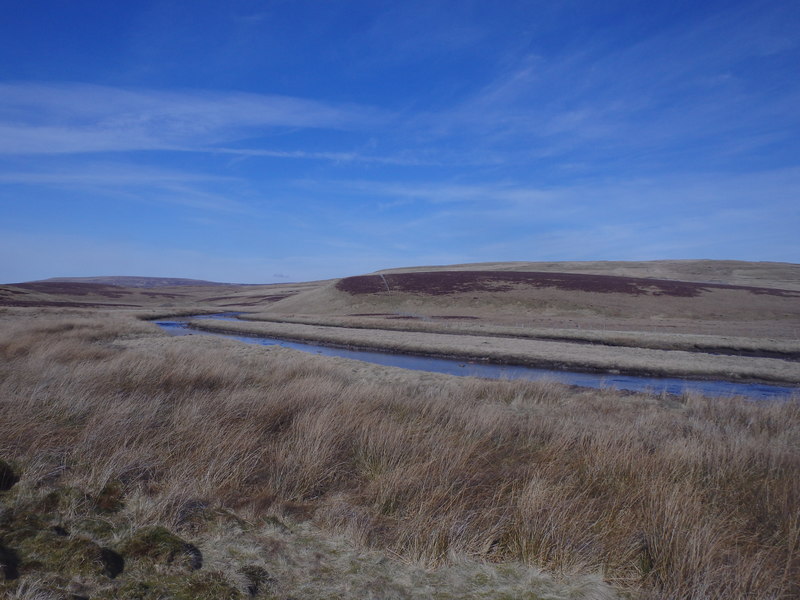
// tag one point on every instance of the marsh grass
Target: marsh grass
(666, 498)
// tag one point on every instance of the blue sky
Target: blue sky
(292, 140)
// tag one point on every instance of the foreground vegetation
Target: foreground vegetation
(139, 466)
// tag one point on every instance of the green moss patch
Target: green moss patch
(195, 586)
(51, 552)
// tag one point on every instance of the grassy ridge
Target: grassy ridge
(697, 498)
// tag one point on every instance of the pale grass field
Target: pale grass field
(451, 481)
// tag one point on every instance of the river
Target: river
(656, 385)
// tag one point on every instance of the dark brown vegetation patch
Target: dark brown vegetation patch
(59, 304)
(252, 299)
(439, 283)
(455, 318)
(74, 289)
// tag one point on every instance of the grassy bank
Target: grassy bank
(736, 346)
(529, 352)
(259, 458)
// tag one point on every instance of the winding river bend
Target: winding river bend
(180, 326)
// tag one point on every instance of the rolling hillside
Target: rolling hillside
(695, 298)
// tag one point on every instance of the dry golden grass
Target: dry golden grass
(666, 498)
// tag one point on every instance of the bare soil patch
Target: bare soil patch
(75, 294)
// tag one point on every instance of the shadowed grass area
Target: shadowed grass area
(195, 441)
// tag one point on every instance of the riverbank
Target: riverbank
(532, 352)
(787, 349)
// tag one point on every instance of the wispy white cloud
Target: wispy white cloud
(340, 157)
(441, 192)
(677, 192)
(712, 215)
(137, 183)
(70, 118)
(107, 174)
(669, 96)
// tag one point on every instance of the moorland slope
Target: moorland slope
(734, 272)
(503, 294)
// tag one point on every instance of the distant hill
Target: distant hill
(692, 296)
(134, 282)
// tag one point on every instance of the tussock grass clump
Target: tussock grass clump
(667, 498)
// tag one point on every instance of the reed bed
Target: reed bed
(664, 497)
